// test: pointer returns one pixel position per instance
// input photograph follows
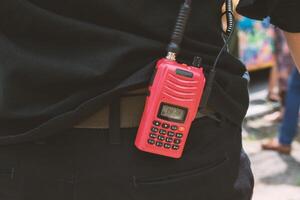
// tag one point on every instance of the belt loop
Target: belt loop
(114, 121)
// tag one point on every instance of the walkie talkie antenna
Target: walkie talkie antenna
(178, 33)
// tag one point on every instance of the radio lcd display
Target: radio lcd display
(172, 113)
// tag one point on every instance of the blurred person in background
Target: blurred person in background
(282, 19)
(289, 127)
(278, 83)
(293, 40)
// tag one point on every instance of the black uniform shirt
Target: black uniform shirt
(284, 13)
(62, 60)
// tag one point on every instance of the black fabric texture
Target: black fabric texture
(245, 181)
(80, 164)
(115, 121)
(284, 14)
(62, 60)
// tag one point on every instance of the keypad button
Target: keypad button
(179, 135)
(150, 141)
(162, 131)
(175, 147)
(171, 134)
(167, 146)
(154, 130)
(177, 141)
(174, 128)
(166, 126)
(152, 135)
(156, 123)
(169, 139)
(162, 138)
(159, 144)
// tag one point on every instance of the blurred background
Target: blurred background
(264, 51)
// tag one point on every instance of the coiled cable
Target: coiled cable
(212, 72)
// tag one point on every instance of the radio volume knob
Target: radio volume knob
(197, 61)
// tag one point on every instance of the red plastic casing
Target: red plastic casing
(169, 87)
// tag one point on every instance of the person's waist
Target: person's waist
(131, 110)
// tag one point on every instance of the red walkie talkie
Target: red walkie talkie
(175, 94)
(174, 97)
(170, 108)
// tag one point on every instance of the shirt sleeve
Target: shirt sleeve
(283, 13)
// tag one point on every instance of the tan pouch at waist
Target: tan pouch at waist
(132, 107)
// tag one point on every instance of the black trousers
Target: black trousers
(81, 164)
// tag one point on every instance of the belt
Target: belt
(131, 110)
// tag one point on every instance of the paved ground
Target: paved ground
(277, 177)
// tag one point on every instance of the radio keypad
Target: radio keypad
(152, 135)
(150, 141)
(155, 130)
(169, 139)
(166, 126)
(162, 138)
(177, 141)
(156, 123)
(159, 144)
(172, 140)
(171, 134)
(162, 131)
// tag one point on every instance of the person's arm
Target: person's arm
(293, 40)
